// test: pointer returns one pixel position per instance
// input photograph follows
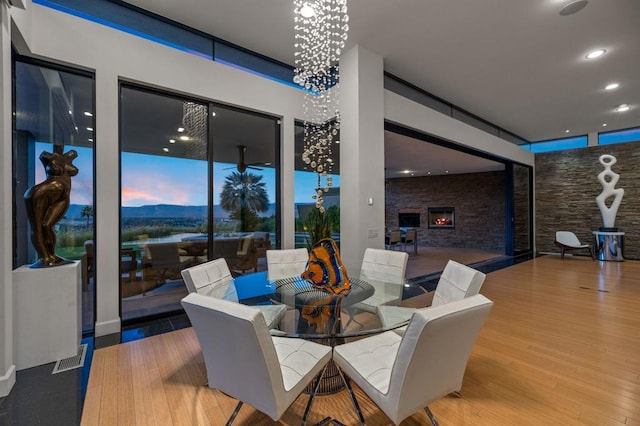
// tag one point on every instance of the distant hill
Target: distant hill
(167, 210)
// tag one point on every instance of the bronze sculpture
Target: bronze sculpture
(47, 203)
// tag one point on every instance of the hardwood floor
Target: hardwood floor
(561, 346)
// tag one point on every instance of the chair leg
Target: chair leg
(352, 318)
(312, 396)
(354, 401)
(234, 414)
(457, 394)
(431, 416)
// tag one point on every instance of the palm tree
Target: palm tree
(244, 195)
(87, 211)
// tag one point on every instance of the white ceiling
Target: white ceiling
(516, 63)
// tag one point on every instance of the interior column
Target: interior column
(361, 154)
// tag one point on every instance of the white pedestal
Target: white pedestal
(48, 314)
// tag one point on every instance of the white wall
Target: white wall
(415, 116)
(361, 154)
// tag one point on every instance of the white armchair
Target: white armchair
(401, 375)
(214, 279)
(286, 263)
(567, 240)
(245, 362)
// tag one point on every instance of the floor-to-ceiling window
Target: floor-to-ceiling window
(198, 182)
(54, 111)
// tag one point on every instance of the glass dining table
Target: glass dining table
(316, 314)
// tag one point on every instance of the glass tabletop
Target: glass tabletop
(314, 313)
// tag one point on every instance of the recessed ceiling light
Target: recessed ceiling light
(180, 129)
(595, 53)
(406, 172)
(567, 131)
(184, 138)
(165, 149)
(446, 171)
(172, 141)
(307, 11)
(88, 114)
(623, 108)
(573, 7)
(428, 173)
(604, 124)
(611, 86)
(90, 129)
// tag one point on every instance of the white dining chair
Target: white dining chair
(457, 282)
(385, 270)
(245, 362)
(286, 263)
(214, 279)
(403, 374)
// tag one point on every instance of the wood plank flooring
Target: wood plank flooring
(561, 346)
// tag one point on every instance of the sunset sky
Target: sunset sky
(150, 179)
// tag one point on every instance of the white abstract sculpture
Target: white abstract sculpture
(608, 179)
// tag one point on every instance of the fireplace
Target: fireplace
(441, 217)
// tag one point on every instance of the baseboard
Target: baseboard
(7, 381)
(107, 327)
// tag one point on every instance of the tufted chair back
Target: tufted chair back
(457, 282)
(211, 279)
(286, 263)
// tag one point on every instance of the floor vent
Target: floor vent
(71, 362)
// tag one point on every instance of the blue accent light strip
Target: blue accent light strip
(156, 29)
(119, 27)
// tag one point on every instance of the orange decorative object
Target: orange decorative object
(325, 269)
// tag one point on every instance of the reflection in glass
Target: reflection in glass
(56, 107)
(198, 182)
(305, 186)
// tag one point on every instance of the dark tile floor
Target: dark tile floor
(42, 398)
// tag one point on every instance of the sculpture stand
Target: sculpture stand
(609, 245)
(48, 314)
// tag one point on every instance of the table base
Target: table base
(330, 384)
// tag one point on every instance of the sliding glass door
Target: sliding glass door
(198, 182)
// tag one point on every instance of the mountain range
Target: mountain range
(167, 211)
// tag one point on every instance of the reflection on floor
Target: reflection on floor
(39, 397)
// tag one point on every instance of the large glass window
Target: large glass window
(557, 144)
(619, 136)
(54, 111)
(198, 182)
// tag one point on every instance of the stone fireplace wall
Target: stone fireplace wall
(566, 187)
(478, 199)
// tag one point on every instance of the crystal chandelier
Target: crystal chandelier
(321, 28)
